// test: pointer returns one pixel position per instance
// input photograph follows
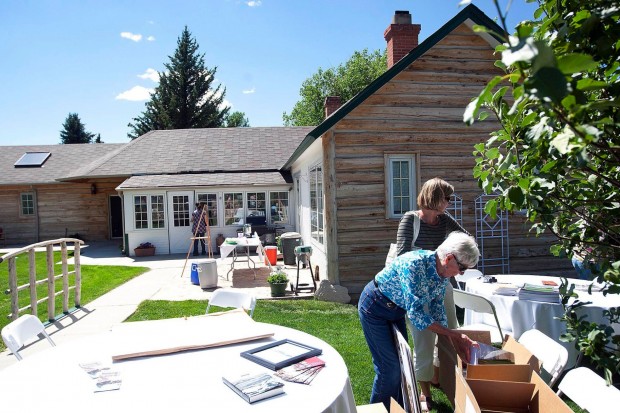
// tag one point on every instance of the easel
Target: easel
(207, 236)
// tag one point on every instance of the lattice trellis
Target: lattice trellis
(456, 208)
(493, 239)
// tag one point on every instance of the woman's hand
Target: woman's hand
(463, 345)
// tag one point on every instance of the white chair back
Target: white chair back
(479, 304)
(232, 297)
(552, 354)
(589, 391)
(18, 332)
(467, 275)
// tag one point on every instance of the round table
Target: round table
(52, 380)
(519, 316)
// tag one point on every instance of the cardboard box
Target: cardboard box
(448, 359)
(504, 388)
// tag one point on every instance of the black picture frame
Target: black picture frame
(280, 354)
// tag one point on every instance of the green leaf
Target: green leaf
(516, 196)
(548, 84)
(591, 84)
(492, 153)
(576, 63)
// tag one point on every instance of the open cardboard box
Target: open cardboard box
(380, 408)
(504, 388)
(448, 358)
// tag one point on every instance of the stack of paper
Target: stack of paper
(508, 289)
(546, 294)
(303, 372)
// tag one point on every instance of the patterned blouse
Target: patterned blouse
(412, 283)
(197, 222)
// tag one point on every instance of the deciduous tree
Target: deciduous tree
(557, 154)
(237, 120)
(345, 81)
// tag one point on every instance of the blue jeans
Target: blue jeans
(584, 269)
(377, 314)
(202, 243)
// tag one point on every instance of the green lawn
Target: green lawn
(96, 281)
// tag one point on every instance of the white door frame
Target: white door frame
(180, 208)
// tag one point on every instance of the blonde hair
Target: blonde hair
(433, 192)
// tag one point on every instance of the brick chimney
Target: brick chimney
(332, 103)
(401, 37)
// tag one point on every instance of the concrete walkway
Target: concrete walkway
(166, 280)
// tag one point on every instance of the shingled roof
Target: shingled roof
(191, 151)
(63, 159)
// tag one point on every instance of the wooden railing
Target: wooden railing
(51, 278)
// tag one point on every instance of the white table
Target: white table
(226, 248)
(519, 316)
(189, 381)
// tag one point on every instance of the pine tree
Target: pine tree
(184, 97)
(74, 131)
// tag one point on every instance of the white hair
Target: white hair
(462, 246)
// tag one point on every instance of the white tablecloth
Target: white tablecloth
(519, 316)
(226, 249)
(189, 381)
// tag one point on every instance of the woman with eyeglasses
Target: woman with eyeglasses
(412, 285)
(434, 225)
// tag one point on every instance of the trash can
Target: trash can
(207, 273)
(271, 255)
(289, 241)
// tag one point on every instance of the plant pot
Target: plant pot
(278, 290)
(144, 252)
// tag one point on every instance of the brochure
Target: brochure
(303, 372)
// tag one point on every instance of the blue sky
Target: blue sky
(96, 58)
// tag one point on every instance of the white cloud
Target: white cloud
(248, 91)
(136, 94)
(254, 3)
(225, 104)
(151, 38)
(150, 74)
(131, 36)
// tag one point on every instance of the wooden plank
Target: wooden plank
(423, 85)
(422, 125)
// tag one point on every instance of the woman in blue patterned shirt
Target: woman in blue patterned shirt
(413, 285)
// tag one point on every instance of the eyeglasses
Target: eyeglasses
(462, 267)
(448, 199)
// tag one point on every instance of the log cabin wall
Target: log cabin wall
(420, 111)
(61, 209)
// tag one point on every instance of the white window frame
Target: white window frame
(317, 207)
(280, 211)
(413, 160)
(27, 207)
(149, 211)
(214, 216)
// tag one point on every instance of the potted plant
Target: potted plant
(278, 280)
(146, 249)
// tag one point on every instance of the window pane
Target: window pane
(210, 201)
(233, 208)
(316, 203)
(278, 202)
(27, 203)
(180, 210)
(140, 209)
(157, 211)
(257, 204)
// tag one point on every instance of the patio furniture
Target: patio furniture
(552, 354)
(479, 304)
(589, 391)
(18, 332)
(232, 297)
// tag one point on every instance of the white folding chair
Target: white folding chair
(232, 297)
(479, 304)
(18, 332)
(467, 275)
(589, 391)
(552, 354)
